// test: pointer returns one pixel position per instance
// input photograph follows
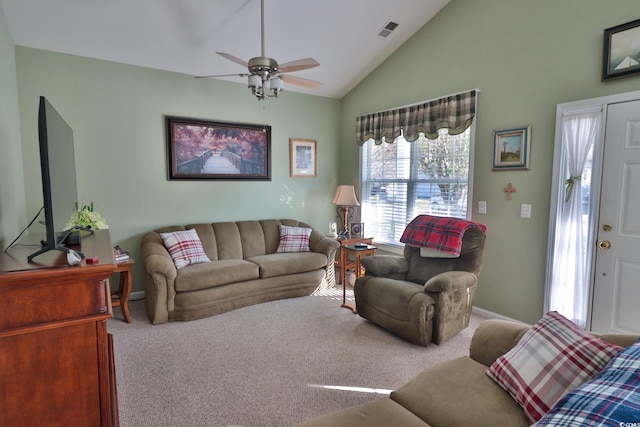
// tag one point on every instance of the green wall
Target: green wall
(525, 57)
(12, 196)
(117, 115)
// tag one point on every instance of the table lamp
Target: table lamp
(345, 198)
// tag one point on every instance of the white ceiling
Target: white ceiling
(183, 35)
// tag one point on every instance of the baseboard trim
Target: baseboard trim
(135, 296)
(491, 315)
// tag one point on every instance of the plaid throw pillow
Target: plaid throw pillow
(184, 247)
(552, 358)
(294, 239)
(612, 398)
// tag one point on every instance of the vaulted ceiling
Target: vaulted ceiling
(184, 35)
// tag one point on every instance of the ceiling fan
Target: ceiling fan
(265, 76)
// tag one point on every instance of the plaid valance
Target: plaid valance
(455, 113)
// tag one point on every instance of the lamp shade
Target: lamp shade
(345, 196)
(255, 81)
(276, 84)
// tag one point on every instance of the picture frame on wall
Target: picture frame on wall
(621, 51)
(512, 148)
(211, 150)
(302, 157)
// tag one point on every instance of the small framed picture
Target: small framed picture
(621, 52)
(356, 229)
(511, 148)
(302, 157)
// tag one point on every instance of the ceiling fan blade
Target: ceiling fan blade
(222, 75)
(299, 81)
(233, 59)
(298, 65)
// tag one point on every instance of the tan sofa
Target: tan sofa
(455, 393)
(244, 269)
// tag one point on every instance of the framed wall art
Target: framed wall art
(302, 157)
(621, 53)
(511, 148)
(356, 229)
(203, 149)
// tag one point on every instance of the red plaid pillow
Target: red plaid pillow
(552, 358)
(184, 247)
(294, 239)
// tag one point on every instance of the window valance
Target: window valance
(454, 112)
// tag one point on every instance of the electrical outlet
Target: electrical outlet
(482, 207)
(525, 211)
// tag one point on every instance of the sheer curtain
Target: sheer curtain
(568, 291)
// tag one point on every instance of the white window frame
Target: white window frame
(397, 247)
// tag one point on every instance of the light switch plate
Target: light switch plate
(482, 207)
(525, 211)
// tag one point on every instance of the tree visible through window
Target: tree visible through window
(401, 180)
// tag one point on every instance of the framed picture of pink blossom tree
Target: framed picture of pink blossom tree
(204, 149)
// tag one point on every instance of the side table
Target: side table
(357, 252)
(120, 297)
(346, 242)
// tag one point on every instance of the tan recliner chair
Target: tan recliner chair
(421, 299)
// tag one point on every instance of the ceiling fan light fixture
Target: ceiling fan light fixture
(266, 78)
(255, 82)
(276, 84)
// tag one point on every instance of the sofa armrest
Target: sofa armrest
(156, 258)
(159, 264)
(450, 281)
(493, 338)
(160, 277)
(328, 246)
(391, 266)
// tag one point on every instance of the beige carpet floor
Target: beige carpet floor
(271, 364)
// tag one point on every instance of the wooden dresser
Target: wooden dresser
(56, 357)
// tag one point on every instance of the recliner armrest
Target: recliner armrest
(385, 266)
(450, 281)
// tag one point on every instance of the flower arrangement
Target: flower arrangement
(86, 218)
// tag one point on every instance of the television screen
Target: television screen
(57, 161)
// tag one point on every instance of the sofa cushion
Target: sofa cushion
(215, 273)
(184, 247)
(294, 239)
(551, 359)
(280, 264)
(457, 392)
(612, 398)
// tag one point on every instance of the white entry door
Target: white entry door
(616, 291)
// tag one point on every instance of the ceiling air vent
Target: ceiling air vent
(388, 29)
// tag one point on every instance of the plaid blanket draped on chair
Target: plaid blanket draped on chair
(440, 233)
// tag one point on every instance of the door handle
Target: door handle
(604, 244)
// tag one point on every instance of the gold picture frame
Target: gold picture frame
(303, 158)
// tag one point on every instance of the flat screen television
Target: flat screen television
(59, 189)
